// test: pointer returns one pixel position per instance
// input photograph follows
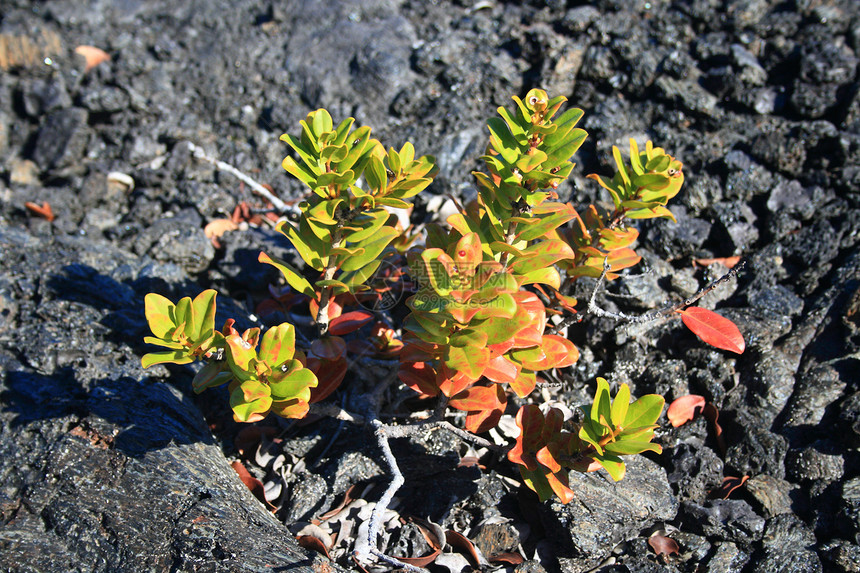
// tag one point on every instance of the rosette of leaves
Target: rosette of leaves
(271, 379)
(186, 329)
(545, 451)
(642, 190)
(472, 331)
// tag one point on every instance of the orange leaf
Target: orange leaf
(729, 262)
(713, 329)
(93, 56)
(43, 210)
(685, 409)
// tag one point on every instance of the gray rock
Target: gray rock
(62, 138)
(604, 513)
(731, 519)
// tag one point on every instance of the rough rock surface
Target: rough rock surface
(105, 467)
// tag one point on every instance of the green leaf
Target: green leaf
(159, 314)
(622, 172)
(470, 361)
(564, 152)
(184, 316)
(503, 141)
(543, 225)
(624, 447)
(308, 246)
(249, 410)
(204, 312)
(375, 174)
(644, 411)
(651, 180)
(658, 163)
(531, 161)
(163, 342)
(372, 245)
(620, 406)
(293, 277)
(210, 376)
(394, 161)
(174, 357)
(278, 344)
(613, 465)
(469, 337)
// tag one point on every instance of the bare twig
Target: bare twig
(282, 207)
(334, 411)
(661, 312)
(369, 545)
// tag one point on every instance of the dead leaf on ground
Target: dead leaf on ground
(215, 229)
(348, 497)
(728, 262)
(44, 210)
(663, 545)
(253, 484)
(730, 484)
(92, 55)
(434, 535)
(711, 413)
(685, 409)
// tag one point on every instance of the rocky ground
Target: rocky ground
(106, 467)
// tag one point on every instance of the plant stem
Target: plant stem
(325, 296)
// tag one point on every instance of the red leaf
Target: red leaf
(420, 377)
(663, 545)
(684, 409)
(713, 329)
(483, 420)
(501, 370)
(349, 322)
(253, 484)
(459, 541)
(329, 373)
(329, 347)
(478, 398)
(508, 558)
(313, 543)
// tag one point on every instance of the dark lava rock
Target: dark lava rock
(103, 468)
(731, 519)
(604, 513)
(62, 139)
(788, 546)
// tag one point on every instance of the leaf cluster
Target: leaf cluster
(612, 428)
(271, 378)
